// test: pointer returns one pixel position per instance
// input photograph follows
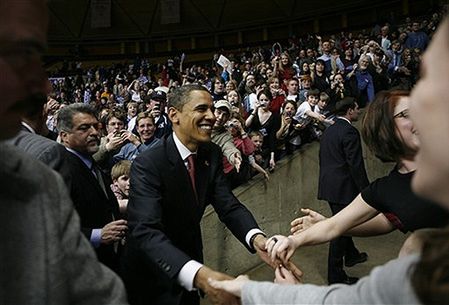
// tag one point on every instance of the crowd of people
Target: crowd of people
(280, 97)
(137, 163)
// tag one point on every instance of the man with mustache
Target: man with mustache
(44, 257)
(93, 199)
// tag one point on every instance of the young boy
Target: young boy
(306, 83)
(321, 108)
(257, 160)
(305, 115)
(120, 183)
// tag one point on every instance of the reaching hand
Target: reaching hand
(281, 248)
(232, 286)
(284, 276)
(303, 223)
(266, 175)
(237, 161)
(115, 141)
(260, 243)
(203, 279)
(128, 135)
(272, 164)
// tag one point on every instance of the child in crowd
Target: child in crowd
(306, 83)
(120, 183)
(321, 108)
(257, 160)
(306, 115)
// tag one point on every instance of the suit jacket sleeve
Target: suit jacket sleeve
(353, 152)
(230, 210)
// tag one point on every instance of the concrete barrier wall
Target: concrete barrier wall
(274, 204)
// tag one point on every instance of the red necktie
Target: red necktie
(191, 168)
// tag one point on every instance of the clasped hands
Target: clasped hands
(223, 289)
(276, 252)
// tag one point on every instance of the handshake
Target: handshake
(222, 289)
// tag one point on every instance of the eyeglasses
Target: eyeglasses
(403, 114)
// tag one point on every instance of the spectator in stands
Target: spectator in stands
(322, 108)
(417, 38)
(378, 70)
(120, 183)
(293, 93)
(277, 93)
(283, 67)
(146, 129)
(230, 85)
(319, 78)
(364, 80)
(134, 90)
(263, 120)
(288, 133)
(306, 114)
(246, 87)
(233, 97)
(331, 61)
(156, 104)
(384, 39)
(118, 89)
(395, 57)
(218, 88)
(246, 147)
(305, 70)
(220, 136)
(116, 137)
(349, 60)
(131, 108)
(305, 85)
(260, 156)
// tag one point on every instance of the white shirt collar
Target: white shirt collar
(28, 127)
(183, 150)
(343, 118)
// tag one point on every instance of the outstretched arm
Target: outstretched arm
(377, 225)
(354, 214)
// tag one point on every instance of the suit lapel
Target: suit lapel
(86, 173)
(202, 172)
(180, 171)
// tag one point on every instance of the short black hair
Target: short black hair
(344, 105)
(180, 96)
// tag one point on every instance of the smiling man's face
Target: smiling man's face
(193, 123)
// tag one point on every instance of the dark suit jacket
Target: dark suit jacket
(342, 171)
(94, 208)
(164, 219)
